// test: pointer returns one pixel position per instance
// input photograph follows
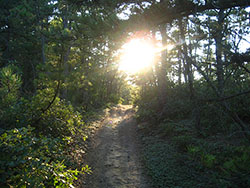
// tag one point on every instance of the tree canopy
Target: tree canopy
(60, 62)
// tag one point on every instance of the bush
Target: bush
(59, 120)
(30, 161)
(10, 82)
(182, 142)
(167, 129)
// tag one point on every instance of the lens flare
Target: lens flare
(137, 55)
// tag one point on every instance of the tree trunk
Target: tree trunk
(187, 60)
(66, 49)
(179, 63)
(196, 114)
(162, 79)
(218, 45)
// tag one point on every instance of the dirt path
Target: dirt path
(114, 153)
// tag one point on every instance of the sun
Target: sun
(137, 55)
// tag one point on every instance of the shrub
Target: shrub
(183, 141)
(30, 161)
(167, 129)
(194, 151)
(208, 160)
(10, 82)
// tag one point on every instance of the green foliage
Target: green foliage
(232, 162)
(167, 129)
(65, 61)
(183, 141)
(236, 165)
(36, 156)
(10, 102)
(53, 42)
(31, 161)
(177, 106)
(208, 160)
(209, 164)
(10, 83)
(59, 120)
(169, 168)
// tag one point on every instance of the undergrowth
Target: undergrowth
(175, 158)
(36, 136)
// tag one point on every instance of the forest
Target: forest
(183, 67)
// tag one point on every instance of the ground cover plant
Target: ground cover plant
(183, 65)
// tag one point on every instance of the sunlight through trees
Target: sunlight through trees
(184, 65)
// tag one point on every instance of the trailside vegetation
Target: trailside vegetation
(56, 68)
(193, 104)
(59, 63)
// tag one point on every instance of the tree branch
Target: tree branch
(228, 97)
(49, 105)
(163, 13)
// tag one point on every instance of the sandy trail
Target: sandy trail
(114, 153)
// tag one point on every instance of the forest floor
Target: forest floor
(114, 152)
(125, 154)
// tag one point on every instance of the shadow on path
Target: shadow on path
(114, 153)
